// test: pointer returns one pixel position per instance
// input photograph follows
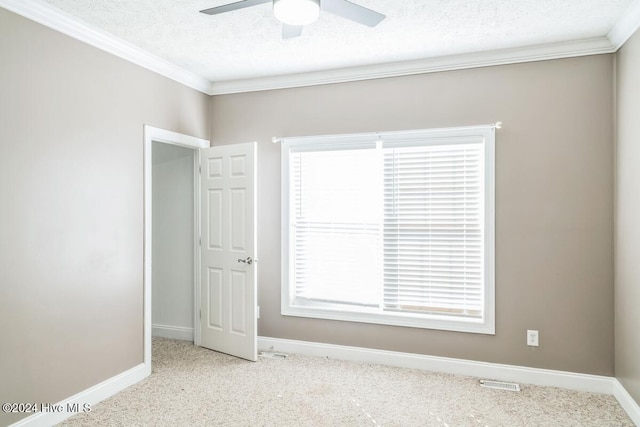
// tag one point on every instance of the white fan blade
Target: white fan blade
(353, 12)
(290, 31)
(233, 6)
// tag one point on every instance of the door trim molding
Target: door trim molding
(153, 134)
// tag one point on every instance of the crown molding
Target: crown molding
(544, 52)
(58, 20)
(626, 26)
(53, 18)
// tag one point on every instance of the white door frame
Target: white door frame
(151, 135)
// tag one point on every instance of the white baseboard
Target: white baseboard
(626, 401)
(494, 371)
(544, 377)
(174, 332)
(89, 397)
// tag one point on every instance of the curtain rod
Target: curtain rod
(496, 125)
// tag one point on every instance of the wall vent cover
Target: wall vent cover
(500, 385)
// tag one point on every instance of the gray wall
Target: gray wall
(554, 200)
(71, 213)
(173, 233)
(71, 208)
(627, 267)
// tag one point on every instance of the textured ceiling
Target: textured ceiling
(247, 43)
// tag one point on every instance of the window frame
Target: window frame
(485, 325)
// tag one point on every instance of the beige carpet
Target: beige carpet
(192, 386)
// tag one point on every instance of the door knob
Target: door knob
(248, 261)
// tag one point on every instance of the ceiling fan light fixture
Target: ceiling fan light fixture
(296, 12)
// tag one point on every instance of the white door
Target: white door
(228, 300)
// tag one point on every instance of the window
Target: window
(393, 228)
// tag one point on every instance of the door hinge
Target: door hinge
(200, 315)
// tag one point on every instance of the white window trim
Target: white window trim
(486, 325)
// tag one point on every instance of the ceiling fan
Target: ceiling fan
(294, 14)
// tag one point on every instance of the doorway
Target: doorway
(200, 226)
(176, 155)
(173, 241)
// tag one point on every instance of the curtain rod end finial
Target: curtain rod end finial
(498, 125)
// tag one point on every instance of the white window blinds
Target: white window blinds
(433, 216)
(392, 228)
(336, 226)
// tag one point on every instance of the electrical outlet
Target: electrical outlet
(532, 338)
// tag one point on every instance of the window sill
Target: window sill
(444, 323)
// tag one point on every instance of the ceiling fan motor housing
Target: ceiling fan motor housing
(296, 12)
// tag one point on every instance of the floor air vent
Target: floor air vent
(500, 385)
(273, 355)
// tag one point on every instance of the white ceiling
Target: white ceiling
(247, 44)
